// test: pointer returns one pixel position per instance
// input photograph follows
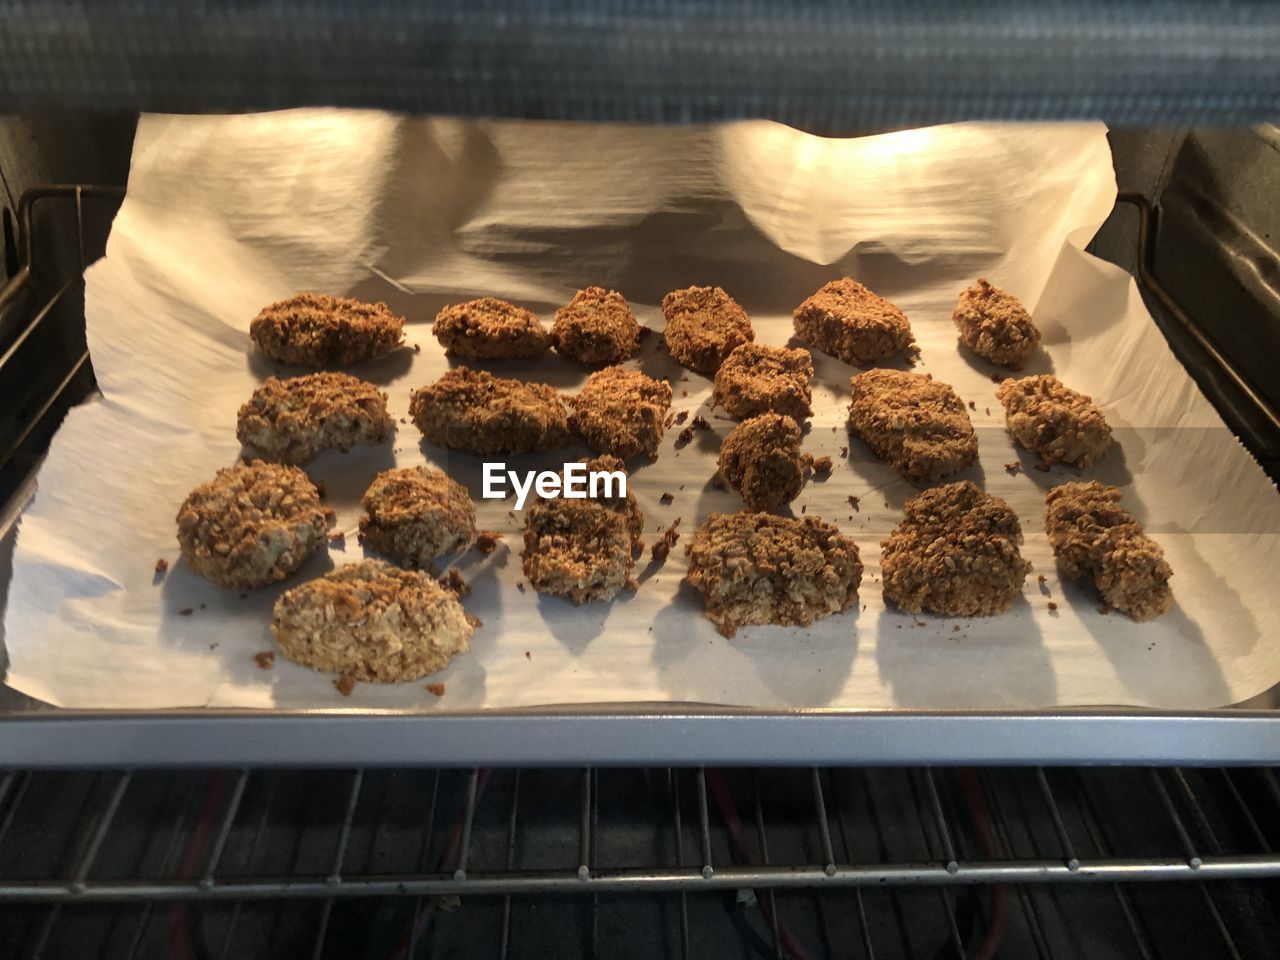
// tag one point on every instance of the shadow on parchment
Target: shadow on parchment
(795, 666)
(930, 664)
(1164, 673)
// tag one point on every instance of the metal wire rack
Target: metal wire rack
(223, 842)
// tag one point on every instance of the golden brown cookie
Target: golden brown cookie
(372, 621)
(415, 514)
(955, 553)
(583, 549)
(758, 568)
(1053, 421)
(621, 412)
(597, 326)
(1095, 539)
(912, 422)
(252, 524)
(704, 326)
(847, 321)
(292, 420)
(759, 379)
(761, 459)
(994, 324)
(474, 411)
(317, 330)
(491, 329)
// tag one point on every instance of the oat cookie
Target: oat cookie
(761, 459)
(415, 514)
(1095, 539)
(704, 326)
(914, 423)
(292, 420)
(316, 330)
(621, 412)
(582, 549)
(849, 322)
(474, 411)
(491, 329)
(252, 524)
(759, 379)
(596, 326)
(994, 324)
(1053, 421)
(757, 568)
(372, 621)
(955, 553)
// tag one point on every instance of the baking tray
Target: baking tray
(33, 734)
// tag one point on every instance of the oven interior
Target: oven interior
(649, 862)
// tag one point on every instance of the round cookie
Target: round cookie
(1053, 421)
(917, 425)
(849, 322)
(476, 412)
(490, 329)
(621, 412)
(317, 330)
(758, 568)
(597, 326)
(994, 324)
(955, 553)
(761, 459)
(704, 326)
(415, 514)
(758, 379)
(372, 621)
(292, 420)
(252, 524)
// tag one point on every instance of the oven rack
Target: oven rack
(418, 839)
(46, 279)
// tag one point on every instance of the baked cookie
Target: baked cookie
(583, 549)
(490, 329)
(292, 420)
(1095, 539)
(912, 422)
(849, 322)
(704, 326)
(757, 568)
(415, 514)
(995, 325)
(597, 326)
(1053, 421)
(252, 524)
(955, 553)
(621, 412)
(316, 330)
(476, 412)
(761, 459)
(759, 379)
(372, 621)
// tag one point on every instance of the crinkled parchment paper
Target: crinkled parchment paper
(225, 214)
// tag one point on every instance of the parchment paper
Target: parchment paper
(224, 215)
